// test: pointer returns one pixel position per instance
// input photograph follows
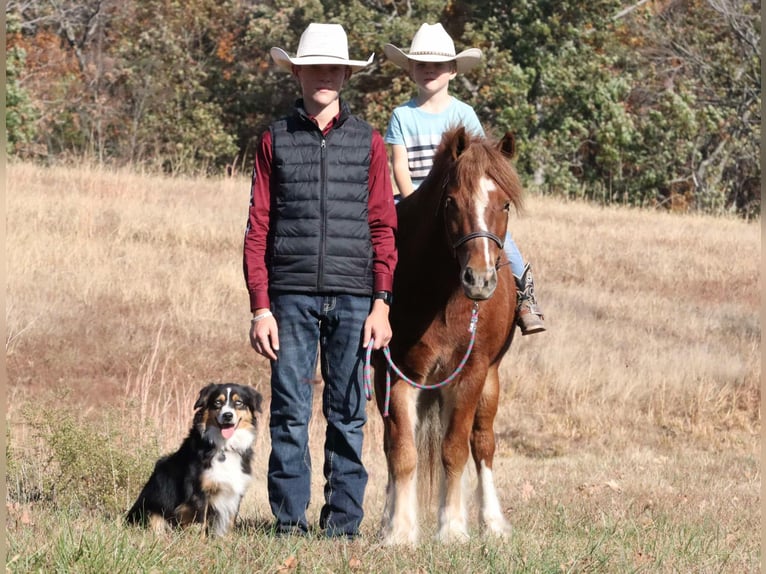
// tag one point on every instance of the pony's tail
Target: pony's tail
(429, 447)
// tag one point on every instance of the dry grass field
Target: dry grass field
(628, 434)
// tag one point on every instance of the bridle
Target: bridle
(476, 234)
(472, 234)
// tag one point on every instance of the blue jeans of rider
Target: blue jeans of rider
(334, 324)
(514, 255)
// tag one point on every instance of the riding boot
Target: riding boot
(529, 316)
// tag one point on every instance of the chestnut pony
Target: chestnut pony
(451, 259)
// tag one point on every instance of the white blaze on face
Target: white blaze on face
(227, 408)
(486, 187)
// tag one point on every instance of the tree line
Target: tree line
(652, 103)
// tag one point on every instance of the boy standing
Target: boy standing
(319, 258)
(416, 129)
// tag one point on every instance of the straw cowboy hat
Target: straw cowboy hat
(431, 43)
(320, 44)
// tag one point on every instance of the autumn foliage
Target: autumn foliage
(648, 103)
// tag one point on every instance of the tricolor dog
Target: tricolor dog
(205, 480)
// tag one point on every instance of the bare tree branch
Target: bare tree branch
(629, 9)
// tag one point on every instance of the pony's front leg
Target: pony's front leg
(453, 524)
(483, 449)
(400, 519)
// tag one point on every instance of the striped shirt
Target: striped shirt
(420, 132)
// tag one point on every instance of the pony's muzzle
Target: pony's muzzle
(479, 285)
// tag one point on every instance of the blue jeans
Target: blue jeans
(514, 255)
(335, 325)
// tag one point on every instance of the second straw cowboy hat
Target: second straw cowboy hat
(321, 44)
(431, 43)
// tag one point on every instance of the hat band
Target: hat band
(344, 58)
(429, 53)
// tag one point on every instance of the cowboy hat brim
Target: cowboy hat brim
(464, 61)
(286, 62)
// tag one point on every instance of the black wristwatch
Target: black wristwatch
(386, 296)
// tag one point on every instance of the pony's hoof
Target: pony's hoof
(393, 540)
(399, 537)
(498, 526)
(452, 534)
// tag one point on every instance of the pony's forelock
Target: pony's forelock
(478, 157)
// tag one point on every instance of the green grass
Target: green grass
(569, 542)
(632, 511)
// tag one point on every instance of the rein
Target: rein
(368, 390)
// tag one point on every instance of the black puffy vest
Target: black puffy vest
(320, 234)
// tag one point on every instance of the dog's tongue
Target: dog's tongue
(227, 432)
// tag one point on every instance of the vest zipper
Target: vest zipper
(322, 214)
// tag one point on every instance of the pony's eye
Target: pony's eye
(449, 202)
(507, 206)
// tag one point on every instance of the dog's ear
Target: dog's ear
(258, 401)
(204, 395)
(253, 398)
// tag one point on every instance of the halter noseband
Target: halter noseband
(474, 235)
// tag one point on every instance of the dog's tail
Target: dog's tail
(138, 514)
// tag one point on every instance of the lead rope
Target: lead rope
(368, 390)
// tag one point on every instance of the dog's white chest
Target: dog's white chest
(226, 470)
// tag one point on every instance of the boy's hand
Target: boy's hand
(377, 326)
(264, 334)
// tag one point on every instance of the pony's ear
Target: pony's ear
(459, 142)
(507, 145)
